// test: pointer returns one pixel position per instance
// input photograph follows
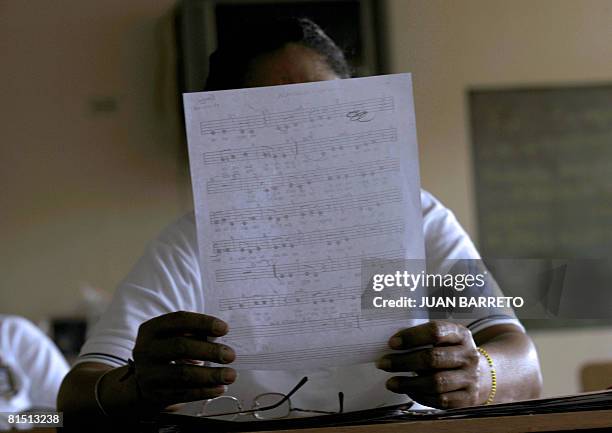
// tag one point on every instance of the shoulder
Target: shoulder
(444, 236)
(175, 245)
(166, 278)
(179, 234)
(434, 212)
(24, 341)
(168, 273)
(170, 260)
(17, 328)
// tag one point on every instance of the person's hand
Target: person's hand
(448, 374)
(167, 353)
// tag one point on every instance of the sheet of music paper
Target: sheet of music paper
(294, 186)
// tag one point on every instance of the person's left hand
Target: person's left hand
(448, 373)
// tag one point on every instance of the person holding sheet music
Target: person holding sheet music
(155, 315)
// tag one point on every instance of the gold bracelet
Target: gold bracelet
(493, 375)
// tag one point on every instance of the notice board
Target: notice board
(543, 171)
(543, 179)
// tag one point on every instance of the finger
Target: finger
(436, 358)
(448, 400)
(435, 333)
(183, 348)
(174, 407)
(186, 376)
(182, 323)
(432, 384)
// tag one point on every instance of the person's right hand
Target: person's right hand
(166, 353)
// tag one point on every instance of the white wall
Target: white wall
(452, 45)
(563, 353)
(80, 192)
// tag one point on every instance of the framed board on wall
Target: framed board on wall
(543, 174)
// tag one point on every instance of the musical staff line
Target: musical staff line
(352, 321)
(287, 356)
(289, 270)
(299, 179)
(301, 115)
(330, 236)
(312, 208)
(284, 150)
(262, 301)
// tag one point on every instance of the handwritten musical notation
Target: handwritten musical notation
(301, 179)
(301, 268)
(364, 352)
(305, 209)
(295, 187)
(351, 321)
(248, 302)
(328, 236)
(308, 147)
(353, 111)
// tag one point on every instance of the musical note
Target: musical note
(283, 119)
(289, 270)
(301, 179)
(330, 237)
(296, 188)
(305, 209)
(304, 147)
(290, 299)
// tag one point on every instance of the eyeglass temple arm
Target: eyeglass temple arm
(287, 396)
(293, 391)
(273, 406)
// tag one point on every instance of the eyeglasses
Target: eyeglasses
(267, 406)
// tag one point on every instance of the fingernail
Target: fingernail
(219, 327)
(395, 342)
(229, 375)
(383, 364)
(227, 354)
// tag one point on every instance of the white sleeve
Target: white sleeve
(164, 280)
(446, 241)
(33, 357)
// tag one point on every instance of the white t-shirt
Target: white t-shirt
(32, 363)
(167, 279)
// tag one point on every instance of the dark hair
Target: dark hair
(229, 64)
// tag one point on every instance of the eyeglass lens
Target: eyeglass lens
(271, 399)
(222, 405)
